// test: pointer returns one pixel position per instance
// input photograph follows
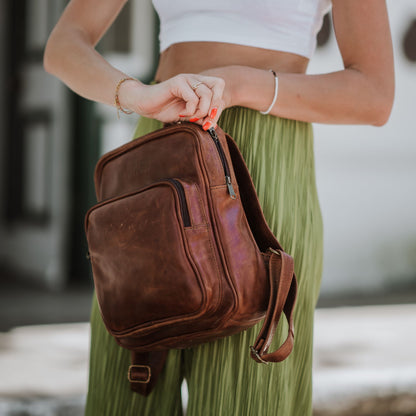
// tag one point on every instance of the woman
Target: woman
(215, 68)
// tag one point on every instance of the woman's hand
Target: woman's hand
(227, 74)
(194, 97)
(71, 46)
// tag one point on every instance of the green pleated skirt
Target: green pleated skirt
(221, 377)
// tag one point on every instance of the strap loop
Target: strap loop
(139, 373)
(145, 370)
(256, 354)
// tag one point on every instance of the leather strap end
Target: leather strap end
(283, 291)
(145, 370)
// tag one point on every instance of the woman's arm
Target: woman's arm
(362, 93)
(70, 55)
(70, 51)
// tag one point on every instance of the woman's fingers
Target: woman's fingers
(193, 97)
(201, 96)
(182, 89)
(205, 98)
(211, 110)
(217, 86)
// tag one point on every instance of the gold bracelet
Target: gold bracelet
(116, 99)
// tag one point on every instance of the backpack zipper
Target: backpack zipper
(184, 207)
(224, 162)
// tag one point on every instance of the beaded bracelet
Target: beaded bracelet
(276, 89)
(116, 99)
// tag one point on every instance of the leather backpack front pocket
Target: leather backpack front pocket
(148, 225)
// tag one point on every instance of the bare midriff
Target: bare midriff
(195, 57)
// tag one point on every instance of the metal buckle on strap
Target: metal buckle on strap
(146, 367)
(274, 251)
(254, 351)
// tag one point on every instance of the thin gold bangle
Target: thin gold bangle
(117, 100)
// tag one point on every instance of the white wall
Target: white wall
(367, 182)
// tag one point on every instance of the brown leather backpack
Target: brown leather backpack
(180, 250)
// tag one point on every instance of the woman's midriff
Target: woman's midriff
(195, 57)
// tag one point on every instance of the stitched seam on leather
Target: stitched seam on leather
(218, 186)
(220, 284)
(208, 226)
(217, 236)
(205, 179)
(188, 253)
(195, 270)
(201, 205)
(196, 227)
(223, 257)
(220, 289)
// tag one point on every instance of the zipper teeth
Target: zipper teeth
(184, 207)
(224, 162)
(220, 152)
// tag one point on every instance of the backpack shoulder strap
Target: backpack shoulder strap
(283, 285)
(249, 199)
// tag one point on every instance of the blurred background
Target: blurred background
(50, 140)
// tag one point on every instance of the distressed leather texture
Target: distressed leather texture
(178, 256)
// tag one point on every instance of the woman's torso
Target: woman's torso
(194, 57)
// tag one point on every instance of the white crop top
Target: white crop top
(283, 25)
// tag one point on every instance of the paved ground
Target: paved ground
(365, 364)
(365, 361)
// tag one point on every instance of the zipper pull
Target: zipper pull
(213, 133)
(230, 187)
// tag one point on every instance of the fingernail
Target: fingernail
(181, 115)
(213, 112)
(206, 125)
(194, 119)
